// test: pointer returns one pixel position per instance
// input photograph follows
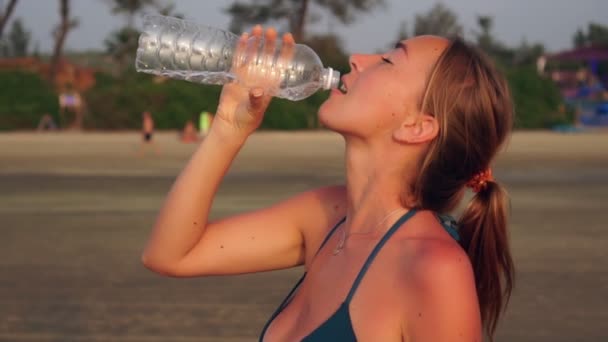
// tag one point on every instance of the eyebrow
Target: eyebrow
(401, 45)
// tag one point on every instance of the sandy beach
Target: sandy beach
(76, 209)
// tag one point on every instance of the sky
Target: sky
(551, 22)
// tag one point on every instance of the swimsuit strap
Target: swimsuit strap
(331, 232)
(379, 246)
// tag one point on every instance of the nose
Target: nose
(359, 62)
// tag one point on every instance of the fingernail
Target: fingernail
(257, 92)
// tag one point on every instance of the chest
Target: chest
(374, 306)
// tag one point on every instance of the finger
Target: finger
(253, 45)
(257, 100)
(270, 38)
(239, 54)
(288, 38)
(257, 31)
(288, 47)
(286, 55)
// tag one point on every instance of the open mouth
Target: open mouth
(343, 88)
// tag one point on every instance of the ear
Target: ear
(423, 128)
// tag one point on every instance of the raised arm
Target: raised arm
(184, 243)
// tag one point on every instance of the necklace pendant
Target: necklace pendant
(340, 245)
(337, 250)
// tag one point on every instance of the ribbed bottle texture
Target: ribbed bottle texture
(184, 50)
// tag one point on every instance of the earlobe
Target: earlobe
(424, 128)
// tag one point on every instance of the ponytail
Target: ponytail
(483, 229)
(472, 104)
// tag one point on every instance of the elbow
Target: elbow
(173, 269)
(156, 266)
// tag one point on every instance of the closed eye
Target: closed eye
(386, 60)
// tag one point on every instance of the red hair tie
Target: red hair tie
(480, 181)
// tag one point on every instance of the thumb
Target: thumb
(256, 99)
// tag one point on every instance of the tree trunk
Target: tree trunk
(298, 32)
(62, 32)
(130, 19)
(6, 15)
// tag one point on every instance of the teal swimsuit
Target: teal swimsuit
(338, 327)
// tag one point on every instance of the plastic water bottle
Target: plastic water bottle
(184, 50)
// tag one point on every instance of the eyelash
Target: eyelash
(386, 60)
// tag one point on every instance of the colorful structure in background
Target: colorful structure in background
(582, 76)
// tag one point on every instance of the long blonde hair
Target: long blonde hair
(471, 101)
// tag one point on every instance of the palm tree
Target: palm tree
(439, 20)
(60, 33)
(4, 16)
(122, 43)
(296, 13)
(130, 8)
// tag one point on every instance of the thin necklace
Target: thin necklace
(344, 236)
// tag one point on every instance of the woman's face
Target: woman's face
(382, 89)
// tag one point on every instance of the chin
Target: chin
(323, 113)
(329, 115)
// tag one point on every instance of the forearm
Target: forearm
(184, 215)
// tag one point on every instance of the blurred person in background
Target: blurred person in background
(46, 123)
(421, 124)
(204, 123)
(70, 102)
(147, 131)
(189, 134)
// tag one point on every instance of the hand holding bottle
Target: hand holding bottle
(184, 50)
(258, 76)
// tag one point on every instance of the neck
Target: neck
(375, 183)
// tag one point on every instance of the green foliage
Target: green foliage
(537, 100)
(130, 8)
(329, 49)
(17, 41)
(294, 15)
(439, 20)
(118, 103)
(289, 115)
(24, 98)
(121, 44)
(596, 35)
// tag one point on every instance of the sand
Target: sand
(75, 211)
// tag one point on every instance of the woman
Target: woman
(420, 122)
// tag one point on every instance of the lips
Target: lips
(343, 88)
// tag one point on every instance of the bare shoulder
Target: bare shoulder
(445, 305)
(438, 260)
